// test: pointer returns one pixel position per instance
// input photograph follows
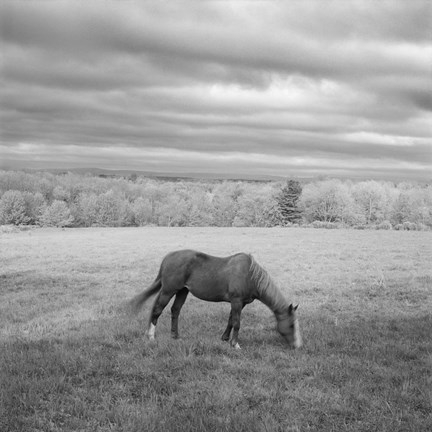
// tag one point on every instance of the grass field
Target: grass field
(72, 360)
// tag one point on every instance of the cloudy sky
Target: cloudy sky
(295, 88)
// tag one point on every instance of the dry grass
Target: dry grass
(71, 360)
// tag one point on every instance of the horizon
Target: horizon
(222, 89)
(204, 177)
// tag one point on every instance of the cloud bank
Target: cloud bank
(277, 88)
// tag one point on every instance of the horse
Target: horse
(237, 279)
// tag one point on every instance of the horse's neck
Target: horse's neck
(268, 292)
(273, 299)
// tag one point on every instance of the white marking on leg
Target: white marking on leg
(151, 332)
(297, 336)
(237, 346)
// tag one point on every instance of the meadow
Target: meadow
(73, 359)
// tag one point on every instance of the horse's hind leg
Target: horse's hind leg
(158, 306)
(175, 311)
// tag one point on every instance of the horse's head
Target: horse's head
(288, 327)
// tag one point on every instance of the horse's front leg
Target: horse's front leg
(236, 308)
(227, 332)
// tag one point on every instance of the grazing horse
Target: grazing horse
(237, 279)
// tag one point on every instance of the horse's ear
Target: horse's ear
(295, 307)
(290, 308)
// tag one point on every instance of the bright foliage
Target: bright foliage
(82, 200)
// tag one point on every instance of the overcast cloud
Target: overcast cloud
(296, 88)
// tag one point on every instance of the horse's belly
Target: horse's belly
(208, 293)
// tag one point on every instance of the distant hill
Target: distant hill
(162, 175)
(195, 176)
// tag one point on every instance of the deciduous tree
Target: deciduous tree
(13, 208)
(57, 214)
(324, 201)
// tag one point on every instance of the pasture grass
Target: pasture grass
(71, 359)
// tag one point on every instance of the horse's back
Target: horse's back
(186, 259)
(189, 256)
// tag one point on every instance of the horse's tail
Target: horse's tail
(138, 301)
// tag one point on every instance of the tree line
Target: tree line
(70, 199)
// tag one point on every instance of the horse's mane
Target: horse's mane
(269, 293)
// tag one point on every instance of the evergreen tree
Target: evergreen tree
(288, 202)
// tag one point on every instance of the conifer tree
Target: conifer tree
(288, 202)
